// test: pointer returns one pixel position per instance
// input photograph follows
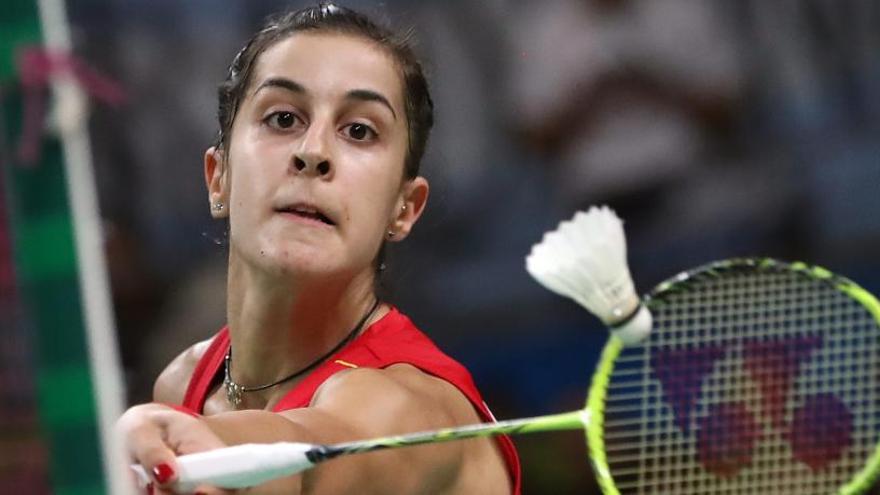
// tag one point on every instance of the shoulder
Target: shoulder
(401, 388)
(170, 386)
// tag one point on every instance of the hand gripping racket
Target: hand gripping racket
(758, 376)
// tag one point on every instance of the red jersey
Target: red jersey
(391, 340)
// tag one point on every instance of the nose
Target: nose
(312, 157)
(309, 163)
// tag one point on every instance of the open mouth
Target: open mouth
(307, 212)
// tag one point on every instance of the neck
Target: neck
(281, 324)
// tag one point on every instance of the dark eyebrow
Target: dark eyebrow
(368, 95)
(355, 94)
(280, 82)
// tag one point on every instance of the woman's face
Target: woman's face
(313, 179)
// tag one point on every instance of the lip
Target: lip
(307, 213)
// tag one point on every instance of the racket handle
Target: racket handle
(239, 466)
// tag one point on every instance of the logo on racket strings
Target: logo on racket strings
(819, 429)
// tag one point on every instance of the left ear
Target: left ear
(409, 207)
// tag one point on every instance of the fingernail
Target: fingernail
(150, 489)
(163, 473)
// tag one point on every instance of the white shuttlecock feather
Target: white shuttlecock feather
(585, 259)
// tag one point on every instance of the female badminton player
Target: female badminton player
(324, 118)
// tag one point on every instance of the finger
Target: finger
(192, 436)
(143, 431)
(147, 446)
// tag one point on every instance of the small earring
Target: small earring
(391, 234)
(218, 206)
(403, 208)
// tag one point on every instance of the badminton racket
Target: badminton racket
(759, 376)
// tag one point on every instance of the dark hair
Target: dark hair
(331, 18)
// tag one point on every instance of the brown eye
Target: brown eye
(360, 132)
(281, 120)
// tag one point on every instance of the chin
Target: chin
(298, 263)
(297, 260)
(277, 259)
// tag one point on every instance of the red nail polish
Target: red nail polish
(150, 489)
(163, 473)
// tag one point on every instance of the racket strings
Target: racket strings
(750, 382)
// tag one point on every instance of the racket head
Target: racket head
(759, 375)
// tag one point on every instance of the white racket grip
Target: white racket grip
(239, 466)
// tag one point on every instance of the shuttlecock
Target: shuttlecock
(585, 259)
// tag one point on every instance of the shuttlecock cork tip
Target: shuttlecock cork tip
(585, 259)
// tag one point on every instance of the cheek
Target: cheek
(241, 196)
(246, 187)
(372, 199)
(379, 178)
(252, 174)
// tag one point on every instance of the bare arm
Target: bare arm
(355, 404)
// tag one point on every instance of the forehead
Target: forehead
(332, 64)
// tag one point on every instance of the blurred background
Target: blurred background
(715, 129)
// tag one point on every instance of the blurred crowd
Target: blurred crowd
(714, 128)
